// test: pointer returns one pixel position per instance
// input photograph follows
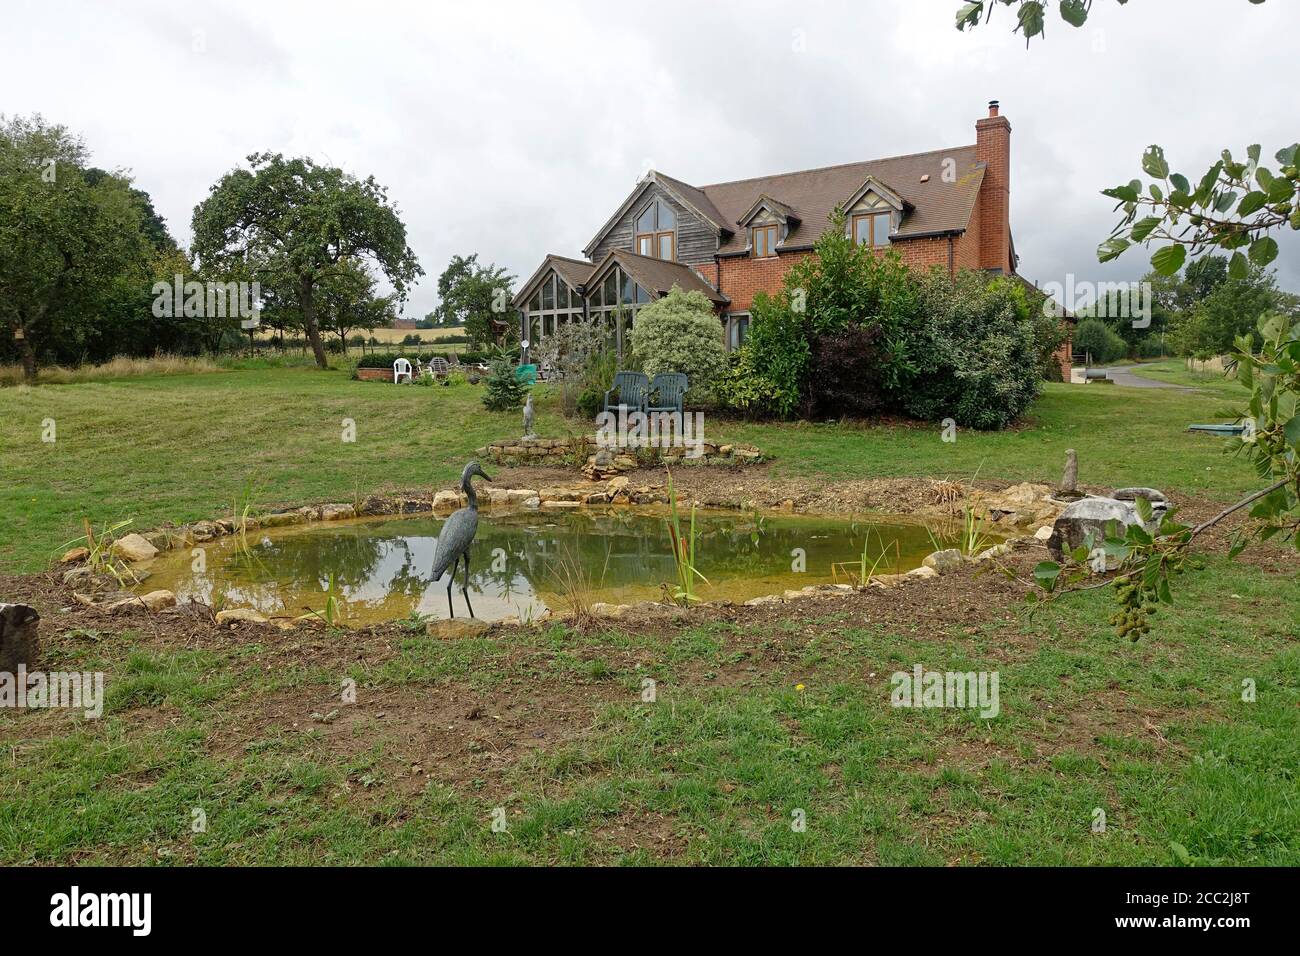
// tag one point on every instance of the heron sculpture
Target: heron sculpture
(457, 535)
(528, 417)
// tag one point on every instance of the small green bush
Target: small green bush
(1100, 341)
(681, 333)
(504, 390)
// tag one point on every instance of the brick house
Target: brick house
(946, 207)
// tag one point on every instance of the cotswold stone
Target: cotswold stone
(922, 572)
(456, 628)
(76, 554)
(239, 615)
(133, 547)
(1092, 515)
(943, 561)
(445, 502)
(337, 512)
(281, 518)
(153, 601)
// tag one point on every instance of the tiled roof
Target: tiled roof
(938, 205)
(660, 275)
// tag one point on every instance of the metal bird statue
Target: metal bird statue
(457, 535)
(528, 416)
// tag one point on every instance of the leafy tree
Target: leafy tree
(295, 224)
(1229, 310)
(65, 243)
(348, 301)
(477, 297)
(680, 333)
(1233, 206)
(1099, 341)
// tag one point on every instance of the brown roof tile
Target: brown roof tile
(937, 206)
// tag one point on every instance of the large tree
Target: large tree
(477, 297)
(296, 224)
(348, 301)
(66, 244)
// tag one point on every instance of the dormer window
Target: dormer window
(655, 231)
(763, 240)
(871, 229)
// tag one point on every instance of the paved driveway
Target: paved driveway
(1123, 375)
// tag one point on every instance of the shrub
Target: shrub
(1099, 340)
(504, 390)
(847, 372)
(680, 333)
(771, 375)
(973, 353)
(742, 386)
(570, 352)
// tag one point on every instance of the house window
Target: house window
(655, 231)
(871, 229)
(737, 331)
(764, 241)
(552, 304)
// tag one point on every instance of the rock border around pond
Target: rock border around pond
(1021, 508)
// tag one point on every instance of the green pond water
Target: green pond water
(520, 563)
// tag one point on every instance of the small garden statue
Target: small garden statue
(1070, 479)
(528, 417)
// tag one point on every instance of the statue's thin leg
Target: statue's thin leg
(451, 579)
(465, 589)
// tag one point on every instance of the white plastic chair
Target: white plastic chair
(401, 367)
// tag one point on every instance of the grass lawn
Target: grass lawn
(763, 715)
(183, 447)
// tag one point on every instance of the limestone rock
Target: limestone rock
(943, 561)
(239, 615)
(1091, 516)
(455, 628)
(153, 601)
(560, 505)
(76, 554)
(1043, 533)
(923, 572)
(281, 518)
(133, 547)
(445, 502)
(337, 512)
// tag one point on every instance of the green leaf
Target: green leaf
(1031, 18)
(1123, 193)
(1162, 591)
(969, 15)
(1154, 162)
(1143, 507)
(1292, 432)
(1251, 202)
(1238, 267)
(1046, 574)
(1074, 12)
(1168, 259)
(1112, 248)
(1180, 183)
(1144, 227)
(1263, 250)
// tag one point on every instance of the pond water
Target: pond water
(524, 563)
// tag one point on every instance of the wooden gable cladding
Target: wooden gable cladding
(696, 240)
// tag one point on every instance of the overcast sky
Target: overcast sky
(515, 129)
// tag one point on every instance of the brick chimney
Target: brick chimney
(993, 148)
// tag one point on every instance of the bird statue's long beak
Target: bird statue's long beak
(484, 475)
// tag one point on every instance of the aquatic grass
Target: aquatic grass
(683, 549)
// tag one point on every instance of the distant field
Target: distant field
(426, 335)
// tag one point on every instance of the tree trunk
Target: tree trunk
(29, 360)
(306, 298)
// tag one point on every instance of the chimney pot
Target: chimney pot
(993, 107)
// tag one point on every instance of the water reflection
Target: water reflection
(521, 564)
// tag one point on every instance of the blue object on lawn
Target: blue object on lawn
(1218, 429)
(526, 374)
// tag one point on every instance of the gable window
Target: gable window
(552, 304)
(656, 235)
(871, 229)
(764, 241)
